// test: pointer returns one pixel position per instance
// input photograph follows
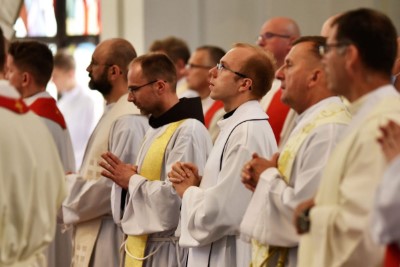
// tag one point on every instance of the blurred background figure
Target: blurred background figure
(81, 111)
(178, 50)
(201, 61)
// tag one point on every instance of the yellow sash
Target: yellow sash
(333, 113)
(151, 169)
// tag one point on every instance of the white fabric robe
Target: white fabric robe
(90, 199)
(340, 231)
(153, 206)
(269, 217)
(385, 216)
(31, 187)
(59, 252)
(211, 213)
(81, 112)
(61, 136)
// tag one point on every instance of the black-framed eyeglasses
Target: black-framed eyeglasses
(324, 49)
(221, 66)
(136, 88)
(197, 66)
(270, 35)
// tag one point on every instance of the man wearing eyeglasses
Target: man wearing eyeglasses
(197, 76)
(213, 204)
(358, 58)
(276, 37)
(282, 182)
(151, 213)
(97, 238)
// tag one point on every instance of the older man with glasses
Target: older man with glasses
(276, 36)
(358, 58)
(213, 206)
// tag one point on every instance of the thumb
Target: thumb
(255, 156)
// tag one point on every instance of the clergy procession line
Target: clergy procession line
(284, 153)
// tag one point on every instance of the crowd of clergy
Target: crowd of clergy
(282, 153)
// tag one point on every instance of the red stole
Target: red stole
(277, 112)
(13, 104)
(217, 105)
(47, 108)
(392, 256)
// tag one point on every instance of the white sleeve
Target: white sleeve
(92, 199)
(385, 216)
(154, 206)
(211, 213)
(269, 218)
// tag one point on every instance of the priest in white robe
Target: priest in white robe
(340, 229)
(32, 183)
(121, 129)
(213, 208)
(144, 202)
(280, 184)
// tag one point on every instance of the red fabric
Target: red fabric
(13, 104)
(277, 112)
(47, 108)
(392, 257)
(217, 105)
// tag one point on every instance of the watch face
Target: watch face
(303, 222)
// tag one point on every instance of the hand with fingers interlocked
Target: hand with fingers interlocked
(117, 170)
(252, 170)
(183, 175)
(390, 140)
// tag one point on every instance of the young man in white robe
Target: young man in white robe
(29, 66)
(213, 203)
(87, 208)
(200, 62)
(144, 202)
(283, 181)
(358, 58)
(32, 183)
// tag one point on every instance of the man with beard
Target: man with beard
(151, 214)
(120, 130)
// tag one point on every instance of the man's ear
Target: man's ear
(246, 85)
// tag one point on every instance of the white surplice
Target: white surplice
(31, 186)
(81, 113)
(59, 252)
(121, 132)
(211, 213)
(269, 217)
(340, 227)
(153, 206)
(385, 216)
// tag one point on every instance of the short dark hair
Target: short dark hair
(215, 53)
(373, 34)
(156, 65)
(174, 47)
(64, 60)
(316, 41)
(260, 68)
(33, 57)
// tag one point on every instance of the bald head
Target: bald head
(277, 35)
(327, 26)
